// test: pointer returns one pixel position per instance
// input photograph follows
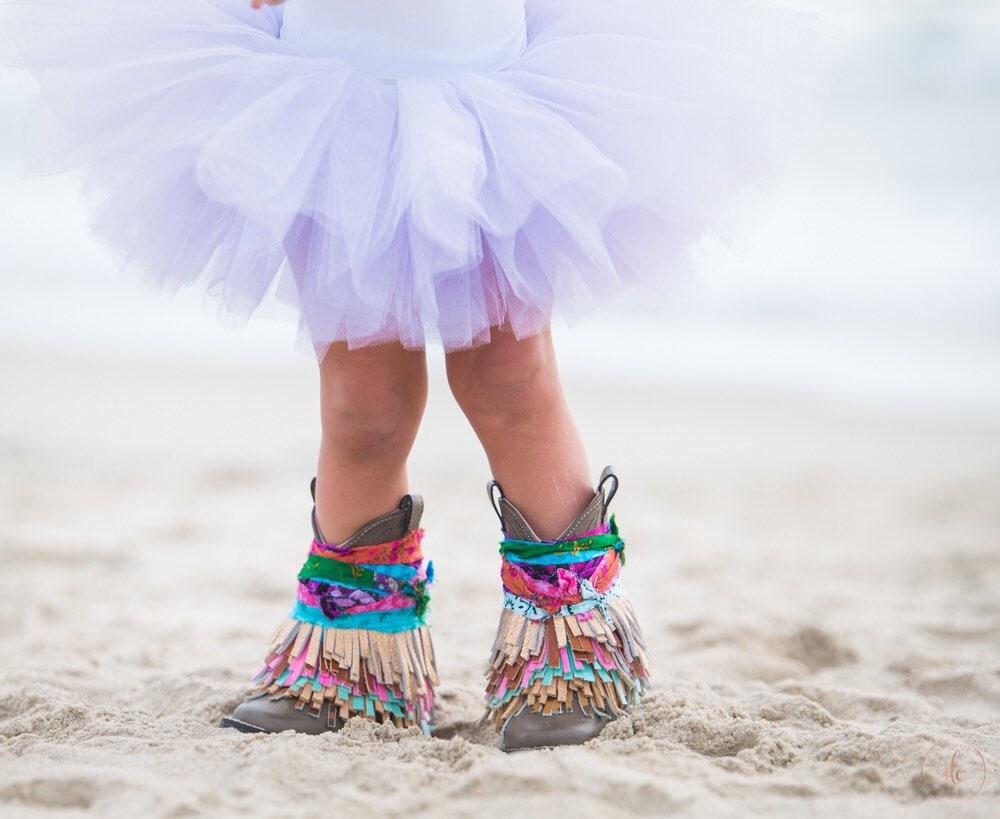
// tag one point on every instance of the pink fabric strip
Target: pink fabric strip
(600, 530)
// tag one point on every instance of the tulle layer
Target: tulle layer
(417, 210)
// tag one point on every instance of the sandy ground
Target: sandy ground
(819, 589)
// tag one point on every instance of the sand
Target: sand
(819, 588)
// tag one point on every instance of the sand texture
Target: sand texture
(820, 591)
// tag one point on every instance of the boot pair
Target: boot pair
(568, 656)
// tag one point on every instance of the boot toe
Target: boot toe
(532, 730)
(266, 715)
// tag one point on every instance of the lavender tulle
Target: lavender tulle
(416, 210)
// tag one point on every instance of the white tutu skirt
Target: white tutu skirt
(416, 210)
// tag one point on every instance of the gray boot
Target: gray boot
(387, 675)
(567, 626)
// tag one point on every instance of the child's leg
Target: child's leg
(372, 401)
(334, 656)
(511, 393)
(569, 655)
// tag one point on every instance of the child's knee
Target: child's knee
(504, 384)
(362, 430)
(369, 417)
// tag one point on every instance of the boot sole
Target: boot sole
(243, 727)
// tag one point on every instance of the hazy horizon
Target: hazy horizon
(875, 279)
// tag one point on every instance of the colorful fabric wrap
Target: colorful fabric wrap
(357, 637)
(568, 634)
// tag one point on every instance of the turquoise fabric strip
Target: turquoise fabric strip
(361, 576)
(388, 622)
(403, 573)
(400, 571)
(559, 559)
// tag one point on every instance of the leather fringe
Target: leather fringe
(596, 659)
(388, 677)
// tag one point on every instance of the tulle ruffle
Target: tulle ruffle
(416, 210)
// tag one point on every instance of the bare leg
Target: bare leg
(511, 393)
(372, 401)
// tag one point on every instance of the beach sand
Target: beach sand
(818, 586)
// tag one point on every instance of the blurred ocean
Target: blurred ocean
(875, 282)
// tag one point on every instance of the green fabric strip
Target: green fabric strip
(317, 567)
(528, 550)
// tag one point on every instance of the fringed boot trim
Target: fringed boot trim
(356, 638)
(568, 635)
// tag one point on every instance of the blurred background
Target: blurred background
(874, 282)
(807, 435)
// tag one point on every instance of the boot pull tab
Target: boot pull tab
(608, 476)
(495, 493)
(413, 506)
(315, 521)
